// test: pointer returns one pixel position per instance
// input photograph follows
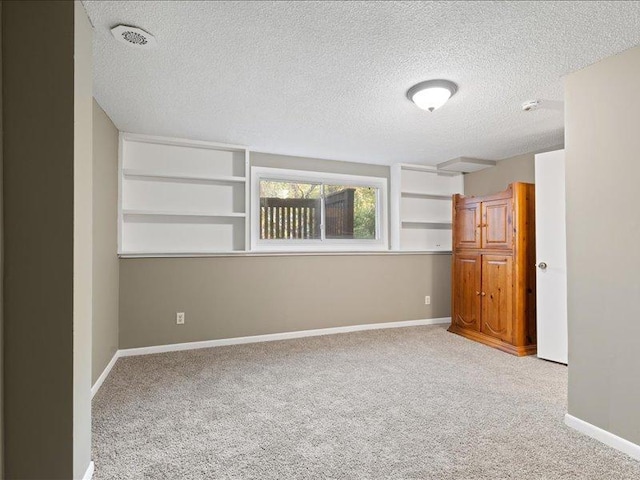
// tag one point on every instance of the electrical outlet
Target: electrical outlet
(427, 300)
(180, 318)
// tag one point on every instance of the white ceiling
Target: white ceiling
(328, 79)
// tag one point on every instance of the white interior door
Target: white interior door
(551, 255)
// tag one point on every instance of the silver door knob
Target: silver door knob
(542, 266)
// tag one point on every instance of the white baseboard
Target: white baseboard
(88, 475)
(105, 373)
(176, 347)
(603, 436)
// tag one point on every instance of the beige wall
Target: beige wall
(82, 239)
(253, 295)
(38, 110)
(226, 297)
(318, 165)
(105, 259)
(495, 179)
(603, 228)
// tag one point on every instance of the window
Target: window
(296, 210)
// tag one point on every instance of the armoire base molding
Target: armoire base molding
(519, 351)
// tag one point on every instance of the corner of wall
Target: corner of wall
(105, 260)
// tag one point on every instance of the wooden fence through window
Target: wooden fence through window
(289, 218)
(339, 213)
(299, 218)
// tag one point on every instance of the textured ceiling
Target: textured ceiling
(328, 79)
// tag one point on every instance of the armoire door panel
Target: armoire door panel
(497, 296)
(466, 290)
(497, 224)
(467, 225)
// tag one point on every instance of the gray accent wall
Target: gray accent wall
(105, 225)
(520, 168)
(47, 341)
(38, 220)
(603, 227)
(225, 297)
(1, 275)
(496, 179)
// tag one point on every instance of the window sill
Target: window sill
(283, 254)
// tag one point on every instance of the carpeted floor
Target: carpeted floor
(406, 403)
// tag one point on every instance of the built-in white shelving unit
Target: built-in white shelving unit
(421, 203)
(181, 196)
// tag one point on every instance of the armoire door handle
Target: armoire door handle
(483, 294)
(477, 293)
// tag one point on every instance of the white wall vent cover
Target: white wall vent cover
(133, 36)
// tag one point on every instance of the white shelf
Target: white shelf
(432, 251)
(181, 196)
(430, 196)
(157, 254)
(421, 199)
(183, 214)
(240, 253)
(183, 142)
(175, 176)
(427, 224)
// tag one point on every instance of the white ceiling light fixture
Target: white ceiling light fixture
(133, 36)
(432, 94)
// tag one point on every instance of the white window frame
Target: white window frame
(380, 243)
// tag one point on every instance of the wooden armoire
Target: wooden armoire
(494, 279)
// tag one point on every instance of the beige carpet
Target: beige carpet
(408, 403)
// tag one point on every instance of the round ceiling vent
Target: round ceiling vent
(133, 36)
